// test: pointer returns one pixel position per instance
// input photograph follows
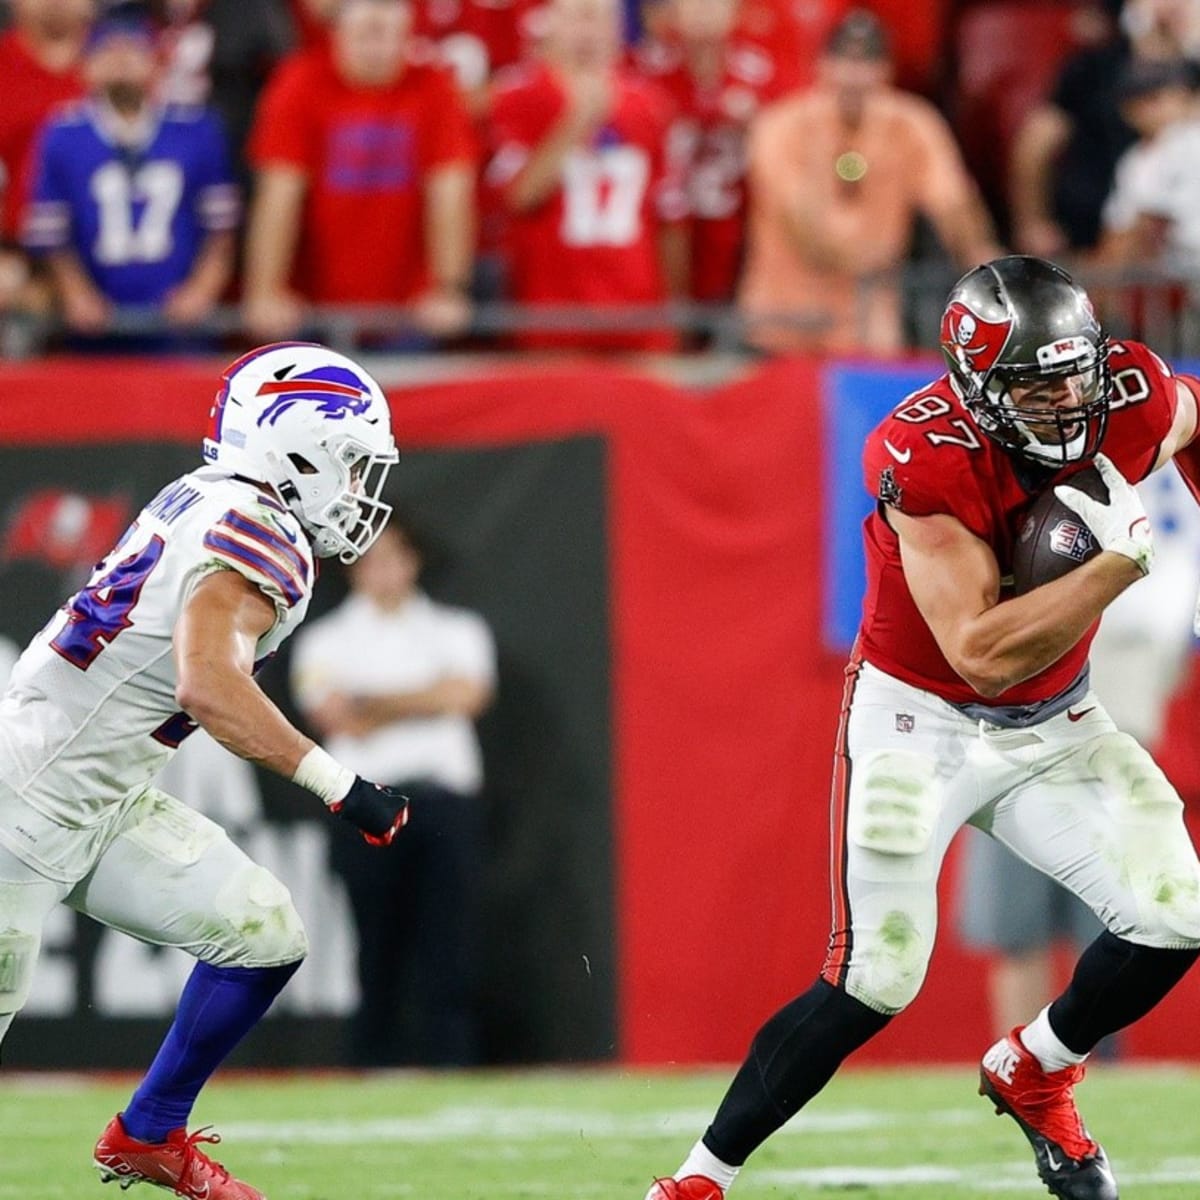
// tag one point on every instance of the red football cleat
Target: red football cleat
(1070, 1162)
(690, 1187)
(177, 1164)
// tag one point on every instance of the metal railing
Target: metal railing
(398, 328)
(1151, 304)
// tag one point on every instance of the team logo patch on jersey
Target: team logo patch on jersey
(336, 391)
(977, 343)
(1072, 540)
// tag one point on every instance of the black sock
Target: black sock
(1115, 983)
(793, 1056)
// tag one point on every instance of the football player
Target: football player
(964, 703)
(207, 582)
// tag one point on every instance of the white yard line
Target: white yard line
(979, 1177)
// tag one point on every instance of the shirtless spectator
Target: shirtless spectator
(838, 175)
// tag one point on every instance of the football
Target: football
(1053, 538)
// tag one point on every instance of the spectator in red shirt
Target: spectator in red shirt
(39, 67)
(365, 181)
(579, 152)
(719, 80)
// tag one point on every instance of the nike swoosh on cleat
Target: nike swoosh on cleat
(1051, 1162)
(1078, 716)
(900, 456)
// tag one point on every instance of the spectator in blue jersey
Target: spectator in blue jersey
(133, 205)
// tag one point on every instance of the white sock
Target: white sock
(702, 1161)
(1043, 1043)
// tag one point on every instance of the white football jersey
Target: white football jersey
(90, 715)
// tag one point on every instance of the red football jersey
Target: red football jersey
(709, 136)
(30, 93)
(366, 153)
(476, 37)
(594, 239)
(928, 456)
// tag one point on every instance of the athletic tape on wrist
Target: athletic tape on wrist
(322, 774)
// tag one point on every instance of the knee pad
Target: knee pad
(1155, 856)
(18, 954)
(261, 925)
(894, 803)
(891, 956)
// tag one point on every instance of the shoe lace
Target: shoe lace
(196, 1162)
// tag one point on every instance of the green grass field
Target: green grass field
(501, 1136)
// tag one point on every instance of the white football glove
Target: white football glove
(1121, 525)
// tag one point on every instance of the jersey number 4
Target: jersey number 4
(100, 610)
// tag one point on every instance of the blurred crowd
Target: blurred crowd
(465, 172)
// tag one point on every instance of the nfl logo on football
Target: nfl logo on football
(1071, 540)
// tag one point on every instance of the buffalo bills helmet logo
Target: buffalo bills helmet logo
(336, 391)
(975, 344)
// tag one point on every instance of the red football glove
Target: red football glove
(378, 812)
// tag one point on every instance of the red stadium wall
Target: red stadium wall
(725, 701)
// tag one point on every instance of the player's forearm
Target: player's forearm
(1018, 638)
(236, 712)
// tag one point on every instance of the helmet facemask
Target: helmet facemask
(1016, 406)
(340, 507)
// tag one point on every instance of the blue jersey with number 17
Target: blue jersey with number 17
(90, 715)
(136, 216)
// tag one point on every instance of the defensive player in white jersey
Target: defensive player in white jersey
(208, 581)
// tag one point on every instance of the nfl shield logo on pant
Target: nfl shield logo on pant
(905, 722)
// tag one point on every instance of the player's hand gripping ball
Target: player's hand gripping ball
(1095, 510)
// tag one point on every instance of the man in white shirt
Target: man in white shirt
(394, 679)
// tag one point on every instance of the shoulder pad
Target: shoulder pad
(1143, 405)
(925, 456)
(264, 542)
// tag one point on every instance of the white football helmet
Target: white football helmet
(314, 427)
